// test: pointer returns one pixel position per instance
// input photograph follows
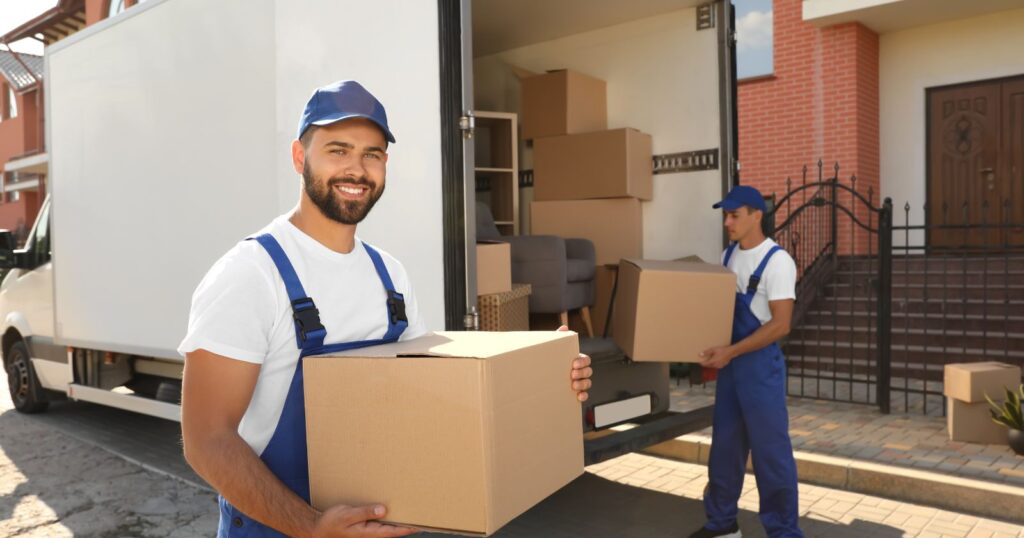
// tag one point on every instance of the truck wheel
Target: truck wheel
(26, 393)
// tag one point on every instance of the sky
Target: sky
(754, 37)
(15, 12)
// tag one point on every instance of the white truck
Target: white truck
(168, 131)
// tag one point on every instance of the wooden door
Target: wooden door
(975, 138)
(1012, 157)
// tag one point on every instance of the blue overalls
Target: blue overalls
(750, 417)
(285, 455)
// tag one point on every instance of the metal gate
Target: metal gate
(839, 347)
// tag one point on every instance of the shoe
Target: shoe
(733, 532)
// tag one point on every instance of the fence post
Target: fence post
(884, 306)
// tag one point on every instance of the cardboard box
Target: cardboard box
(615, 225)
(509, 311)
(602, 164)
(971, 423)
(493, 267)
(671, 311)
(459, 432)
(969, 382)
(562, 102)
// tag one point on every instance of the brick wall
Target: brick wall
(820, 103)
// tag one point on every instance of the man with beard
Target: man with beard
(254, 318)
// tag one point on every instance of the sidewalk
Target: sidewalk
(861, 432)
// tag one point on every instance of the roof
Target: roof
(15, 72)
(54, 24)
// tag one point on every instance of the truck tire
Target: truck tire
(26, 393)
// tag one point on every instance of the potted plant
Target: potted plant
(1009, 414)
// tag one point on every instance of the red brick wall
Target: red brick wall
(820, 103)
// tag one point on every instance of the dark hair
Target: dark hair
(307, 136)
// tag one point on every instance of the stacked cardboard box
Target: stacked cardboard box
(588, 181)
(493, 267)
(965, 386)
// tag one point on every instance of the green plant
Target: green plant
(1009, 414)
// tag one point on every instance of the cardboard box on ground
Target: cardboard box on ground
(965, 386)
(459, 432)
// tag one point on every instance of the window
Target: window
(754, 37)
(116, 6)
(12, 103)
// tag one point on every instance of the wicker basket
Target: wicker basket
(509, 311)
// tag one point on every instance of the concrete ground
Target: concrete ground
(914, 438)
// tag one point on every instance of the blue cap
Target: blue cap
(343, 100)
(742, 195)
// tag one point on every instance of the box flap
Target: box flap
(688, 266)
(491, 242)
(981, 366)
(467, 344)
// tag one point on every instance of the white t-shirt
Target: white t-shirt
(241, 310)
(778, 282)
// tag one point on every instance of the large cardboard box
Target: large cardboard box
(971, 423)
(509, 311)
(602, 164)
(459, 431)
(493, 267)
(562, 102)
(615, 225)
(671, 311)
(970, 381)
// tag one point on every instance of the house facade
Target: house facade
(921, 100)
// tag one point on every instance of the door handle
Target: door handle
(989, 174)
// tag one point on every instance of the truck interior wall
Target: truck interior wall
(170, 128)
(662, 77)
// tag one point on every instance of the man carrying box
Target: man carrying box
(750, 395)
(253, 319)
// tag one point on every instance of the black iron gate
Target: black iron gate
(839, 347)
(882, 308)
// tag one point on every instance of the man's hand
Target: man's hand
(356, 522)
(717, 357)
(581, 374)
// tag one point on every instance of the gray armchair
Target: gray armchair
(559, 270)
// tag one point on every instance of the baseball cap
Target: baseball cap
(742, 195)
(343, 100)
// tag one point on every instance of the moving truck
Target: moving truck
(168, 133)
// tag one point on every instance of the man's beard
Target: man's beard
(344, 211)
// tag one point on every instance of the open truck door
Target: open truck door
(669, 68)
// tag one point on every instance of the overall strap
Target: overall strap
(397, 319)
(728, 254)
(309, 332)
(755, 279)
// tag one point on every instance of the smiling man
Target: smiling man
(254, 318)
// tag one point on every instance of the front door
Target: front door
(975, 163)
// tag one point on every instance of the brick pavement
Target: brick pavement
(824, 512)
(857, 431)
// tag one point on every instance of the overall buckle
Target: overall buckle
(752, 285)
(306, 316)
(396, 307)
